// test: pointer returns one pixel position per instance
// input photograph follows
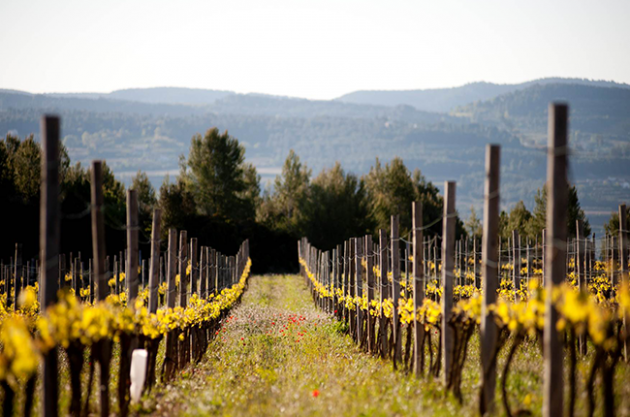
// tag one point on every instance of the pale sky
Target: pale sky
(317, 49)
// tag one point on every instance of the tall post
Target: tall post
(171, 271)
(490, 271)
(358, 256)
(17, 267)
(49, 233)
(382, 266)
(516, 255)
(448, 249)
(369, 257)
(623, 268)
(557, 187)
(131, 275)
(418, 288)
(183, 264)
(395, 250)
(155, 261)
(203, 272)
(194, 265)
(98, 246)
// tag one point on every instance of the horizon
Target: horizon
(314, 50)
(314, 99)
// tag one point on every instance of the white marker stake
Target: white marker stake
(138, 373)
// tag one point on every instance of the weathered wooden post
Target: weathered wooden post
(194, 265)
(49, 235)
(170, 355)
(351, 285)
(557, 187)
(385, 293)
(131, 275)
(183, 265)
(395, 251)
(418, 288)
(544, 257)
(17, 267)
(358, 244)
(155, 261)
(448, 248)
(490, 271)
(516, 255)
(371, 336)
(623, 268)
(103, 348)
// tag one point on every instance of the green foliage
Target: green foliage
(612, 225)
(574, 213)
(216, 175)
(177, 204)
(519, 220)
(338, 208)
(473, 225)
(285, 208)
(147, 200)
(392, 189)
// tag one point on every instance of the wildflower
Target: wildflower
(315, 393)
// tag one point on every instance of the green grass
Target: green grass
(254, 368)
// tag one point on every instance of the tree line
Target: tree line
(217, 197)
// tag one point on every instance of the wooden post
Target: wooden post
(448, 248)
(358, 256)
(395, 250)
(384, 293)
(102, 348)
(544, 257)
(131, 276)
(579, 258)
(418, 288)
(76, 276)
(17, 266)
(194, 266)
(476, 282)
(203, 273)
(623, 262)
(351, 285)
(369, 256)
(516, 255)
(170, 355)
(183, 264)
(557, 199)
(491, 277)
(155, 261)
(49, 236)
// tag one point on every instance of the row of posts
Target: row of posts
(210, 270)
(342, 268)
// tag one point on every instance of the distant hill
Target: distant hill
(156, 95)
(445, 99)
(596, 113)
(170, 95)
(148, 129)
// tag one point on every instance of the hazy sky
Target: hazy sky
(308, 48)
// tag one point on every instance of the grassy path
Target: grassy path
(278, 355)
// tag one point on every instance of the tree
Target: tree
(392, 189)
(473, 224)
(612, 225)
(286, 206)
(519, 220)
(177, 204)
(215, 175)
(574, 213)
(147, 200)
(337, 209)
